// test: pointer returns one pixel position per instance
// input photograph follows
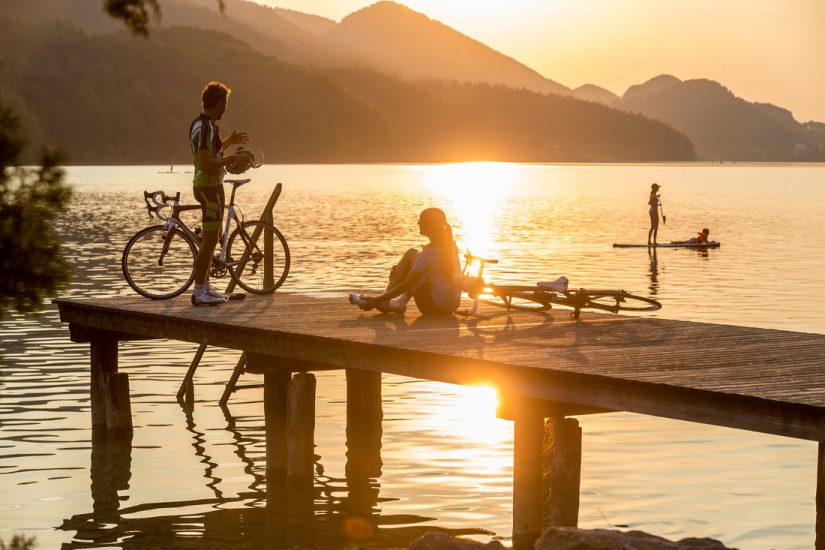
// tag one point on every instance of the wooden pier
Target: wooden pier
(546, 366)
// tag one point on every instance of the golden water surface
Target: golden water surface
(196, 479)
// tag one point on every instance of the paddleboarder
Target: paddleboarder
(654, 213)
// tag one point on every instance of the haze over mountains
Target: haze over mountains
(413, 51)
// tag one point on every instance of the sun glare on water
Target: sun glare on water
(472, 413)
(472, 194)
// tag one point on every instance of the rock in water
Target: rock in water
(442, 541)
(569, 538)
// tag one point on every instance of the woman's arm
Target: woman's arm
(390, 293)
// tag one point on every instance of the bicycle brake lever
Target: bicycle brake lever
(146, 196)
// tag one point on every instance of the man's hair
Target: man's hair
(214, 93)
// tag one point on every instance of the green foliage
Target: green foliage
(134, 13)
(19, 542)
(31, 261)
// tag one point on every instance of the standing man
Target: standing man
(210, 163)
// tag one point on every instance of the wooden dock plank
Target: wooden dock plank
(756, 379)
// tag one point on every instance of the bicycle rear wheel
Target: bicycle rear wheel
(159, 264)
(518, 299)
(615, 301)
(247, 259)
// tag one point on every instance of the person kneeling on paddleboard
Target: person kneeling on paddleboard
(700, 238)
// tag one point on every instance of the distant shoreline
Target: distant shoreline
(434, 163)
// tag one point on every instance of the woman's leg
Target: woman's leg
(398, 273)
(654, 226)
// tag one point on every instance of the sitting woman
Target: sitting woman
(429, 276)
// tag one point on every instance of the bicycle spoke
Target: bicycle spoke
(159, 264)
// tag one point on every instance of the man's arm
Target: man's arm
(235, 138)
(213, 164)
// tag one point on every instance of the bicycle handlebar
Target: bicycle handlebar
(159, 199)
(471, 258)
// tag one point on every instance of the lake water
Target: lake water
(196, 479)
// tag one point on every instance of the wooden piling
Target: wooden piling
(365, 415)
(527, 478)
(820, 497)
(562, 472)
(118, 406)
(275, 416)
(301, 429)
(109, 390)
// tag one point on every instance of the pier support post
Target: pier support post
(527, 478)
(820, 497)
(365, 415)
(276, 383)
(108, 389)
(562, 471)
(301, 430)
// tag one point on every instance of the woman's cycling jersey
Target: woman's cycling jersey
(203, 134)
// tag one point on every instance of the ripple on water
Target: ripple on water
(199, 477)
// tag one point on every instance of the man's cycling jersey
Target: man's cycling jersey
(203, 134)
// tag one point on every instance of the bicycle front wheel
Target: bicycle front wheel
(159, 264)
(249, 262)
(615, 301)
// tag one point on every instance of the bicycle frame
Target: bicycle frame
(544, 295)
(174, 221)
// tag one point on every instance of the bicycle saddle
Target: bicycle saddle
(559, 285)
(238, 183)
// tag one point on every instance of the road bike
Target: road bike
(544, 295)
(159, 261)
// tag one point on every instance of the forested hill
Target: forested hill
(114, 98)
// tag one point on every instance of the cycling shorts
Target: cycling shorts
(212, 199)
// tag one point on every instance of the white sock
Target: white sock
(199, 289)
(400, 301)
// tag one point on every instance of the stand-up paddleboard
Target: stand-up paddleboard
(711, 244)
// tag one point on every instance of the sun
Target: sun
(472, 194)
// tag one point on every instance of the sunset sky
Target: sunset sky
(763, 50)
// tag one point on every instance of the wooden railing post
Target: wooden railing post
(268, 217)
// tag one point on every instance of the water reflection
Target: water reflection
(654, 271)
(670, 478)
(328, 512)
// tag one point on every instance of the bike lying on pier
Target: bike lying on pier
(159, 261)
(543, 296)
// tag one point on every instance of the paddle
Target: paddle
(662, 208)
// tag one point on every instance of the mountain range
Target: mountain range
(415, 52)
